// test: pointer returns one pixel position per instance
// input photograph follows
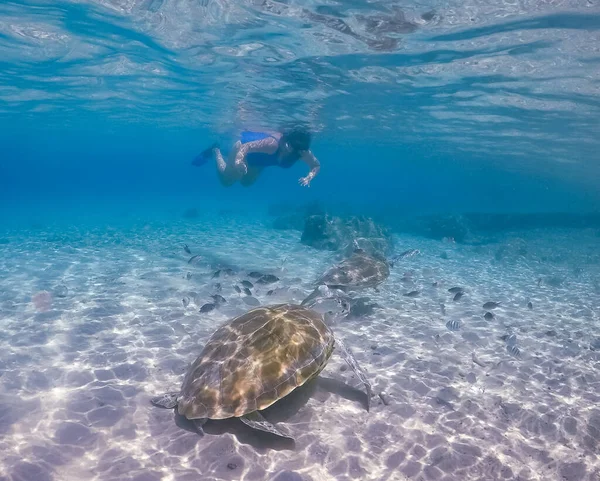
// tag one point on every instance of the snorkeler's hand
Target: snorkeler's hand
(304, 181)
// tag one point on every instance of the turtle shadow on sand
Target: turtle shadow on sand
(280, 412)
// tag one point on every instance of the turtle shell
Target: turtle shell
(359, 270)
(254, 360)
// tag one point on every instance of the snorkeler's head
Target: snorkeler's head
(297, 140)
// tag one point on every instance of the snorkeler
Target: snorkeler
(257, 150)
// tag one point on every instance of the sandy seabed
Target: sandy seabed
(92, 325)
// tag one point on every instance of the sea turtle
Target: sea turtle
(254, 360)
(360, 270)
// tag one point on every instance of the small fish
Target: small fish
(434, 284)
(248, 284)
(219, 299)
(251, 301)
(440, 400)
(453, 325)
(186, 248)
(247, 291)
(510, 339)
(443, 308)
(61, 291)
(412, 294)
(267, 279)
(477, 361)
(488, 316)
(539, 281)
(188, 276)
(237, 289)
(186, 301)
(218, 286)
(270, 293)
(491, 305)
(193, 258)
(529, 305)
(513, 350)
(458, 295)
(208, 307)
(408, 253)
(454, 290)
(216, 274)
(255, 275)
(384, 398)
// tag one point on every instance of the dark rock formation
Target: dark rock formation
(335, 233)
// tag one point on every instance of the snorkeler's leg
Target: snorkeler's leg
(229, 176)
(228, 173)
(250, 177)
(221, 164)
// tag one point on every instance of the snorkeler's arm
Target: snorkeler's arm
(263, 146)
(314, 165)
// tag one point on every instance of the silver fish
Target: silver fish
(251, 301)
(408, 253)
(458, 295)
(404, 255)
(488, 316)
(219, 299)
(491, 305)
(529, 305)
(197, 257)
(412, 294)
(247, 284)
(513, 350)
(477, 361)
(186, 249)
(247, 291)
(453, 325)
(267, 279)
(454, 290)
(208, 307)
(186, 301)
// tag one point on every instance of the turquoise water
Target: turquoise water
(427, 106)
(468, 131)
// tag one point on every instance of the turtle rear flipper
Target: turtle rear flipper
(256, 421)
(351, 360)
(314, 296)
(167, 400)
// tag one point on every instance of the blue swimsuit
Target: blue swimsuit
(255, 159)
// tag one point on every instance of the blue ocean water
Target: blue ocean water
(462, 134)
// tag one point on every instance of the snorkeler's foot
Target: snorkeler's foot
(204, 156)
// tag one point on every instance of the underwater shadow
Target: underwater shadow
(280, 412)
(342, 389)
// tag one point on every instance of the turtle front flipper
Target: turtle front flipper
(198, 424)
(167, 400)
(351, 360)
(256, 421)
